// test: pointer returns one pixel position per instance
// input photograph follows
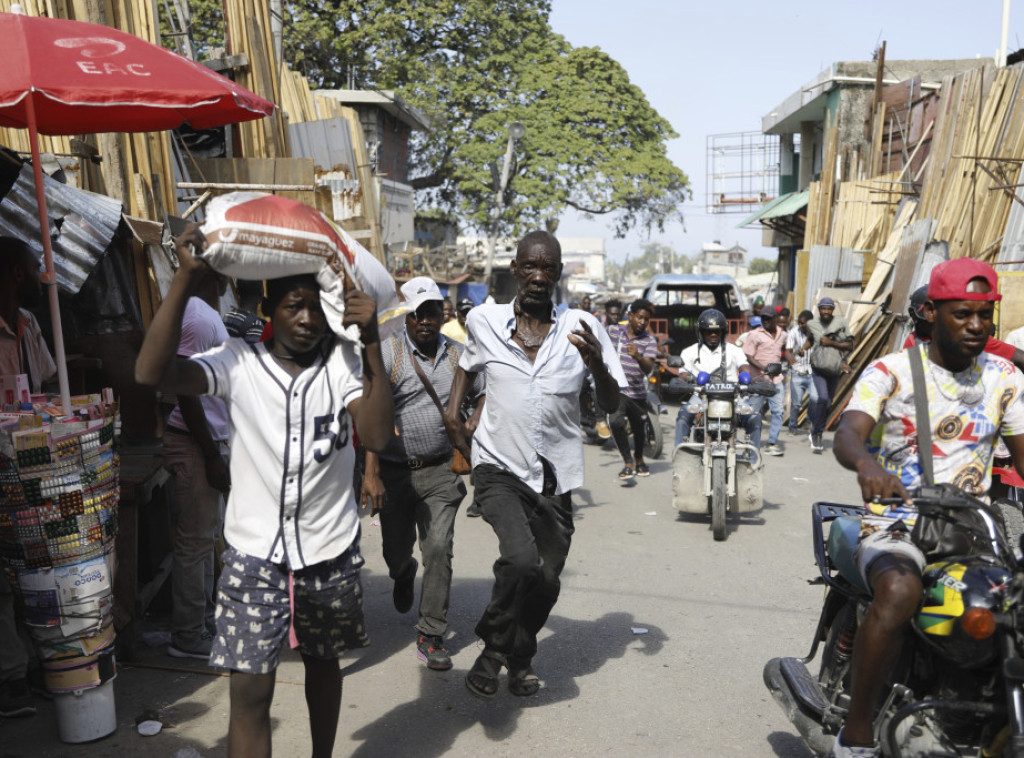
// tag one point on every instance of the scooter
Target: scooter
(729, 471)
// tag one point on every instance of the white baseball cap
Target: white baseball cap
(418, 291)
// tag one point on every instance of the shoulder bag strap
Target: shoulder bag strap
(924, 428)
(426, 382)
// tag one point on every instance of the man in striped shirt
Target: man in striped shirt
(637, 349)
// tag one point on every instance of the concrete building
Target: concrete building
(715, 258)
(844, 90)
(388, 123)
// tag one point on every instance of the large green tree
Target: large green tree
(593, 142)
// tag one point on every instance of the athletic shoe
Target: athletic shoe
(403, 592)
(816, 443)
(199, 649)
(603, 430)
(473, 511)
(16, 699)
(794, 431)
(430, 650)
(772, 450)
(642, 470)
(839, 750)
(627, 473)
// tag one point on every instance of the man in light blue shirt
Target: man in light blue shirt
(528, 451)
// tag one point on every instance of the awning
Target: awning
(784, 205)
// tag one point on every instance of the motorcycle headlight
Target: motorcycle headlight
(720, 409)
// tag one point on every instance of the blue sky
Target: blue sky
(713, 67)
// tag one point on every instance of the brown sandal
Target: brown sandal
(482, 679)
(522, 681)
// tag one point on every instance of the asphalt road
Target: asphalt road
(655, 648)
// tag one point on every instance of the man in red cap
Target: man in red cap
(973, 398)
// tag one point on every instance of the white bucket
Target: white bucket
(86, 715)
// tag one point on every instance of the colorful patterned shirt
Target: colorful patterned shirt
(646, 345)
(968, 411)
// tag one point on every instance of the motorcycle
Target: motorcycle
(730, 471)
(598, 434)
(958, 688)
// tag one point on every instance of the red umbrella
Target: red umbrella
(70, 77)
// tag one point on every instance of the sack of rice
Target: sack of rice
(253, 235)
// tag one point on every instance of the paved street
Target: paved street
(654, 649)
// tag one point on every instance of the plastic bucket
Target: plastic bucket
(86, 715)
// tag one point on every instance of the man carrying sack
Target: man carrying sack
(414, 483)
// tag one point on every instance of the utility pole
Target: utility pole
(516, 131)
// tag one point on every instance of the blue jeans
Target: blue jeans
(798, 385)
(776, 405)
(752, 423)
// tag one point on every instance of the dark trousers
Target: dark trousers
(534, 533)
(825, 389)
(633, 411)
(422, 502)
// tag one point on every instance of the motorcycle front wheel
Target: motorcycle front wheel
(719, 498)
(653, 435)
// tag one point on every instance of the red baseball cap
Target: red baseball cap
(949, 280)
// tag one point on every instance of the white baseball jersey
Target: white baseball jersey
(291, 498)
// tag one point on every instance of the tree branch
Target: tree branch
(595, 211)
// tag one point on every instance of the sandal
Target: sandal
(522, 681)
(482, 679)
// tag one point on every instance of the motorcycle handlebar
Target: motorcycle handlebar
(764, 389)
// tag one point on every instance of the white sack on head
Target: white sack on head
(254, 235)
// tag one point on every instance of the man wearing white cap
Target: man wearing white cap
(411, 483)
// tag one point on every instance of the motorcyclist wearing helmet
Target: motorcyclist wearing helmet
(922, 331)
(712, 353)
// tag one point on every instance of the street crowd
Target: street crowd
(263, 446)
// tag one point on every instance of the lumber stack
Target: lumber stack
(977, 148)
(249, 33)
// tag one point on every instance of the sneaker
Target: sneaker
(816, 443)
(772, 450)
(642, 470)
(430, 650)
(16, 699)
(793, 431)
(403, 592)
(200, 649)
(839, 750)
(603, 430)
(473, 511)
(627, 473)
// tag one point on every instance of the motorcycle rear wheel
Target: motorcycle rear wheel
(653, 435)
(719, 498)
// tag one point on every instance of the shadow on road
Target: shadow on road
(788, 745)
(571, 651)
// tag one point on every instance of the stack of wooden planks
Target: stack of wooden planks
(976, 153)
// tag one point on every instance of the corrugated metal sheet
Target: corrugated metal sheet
(1011, 252)
(87, 223)
(830, 264)
(327, 142)
(784, 205)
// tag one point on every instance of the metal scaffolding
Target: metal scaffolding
(742, 171)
